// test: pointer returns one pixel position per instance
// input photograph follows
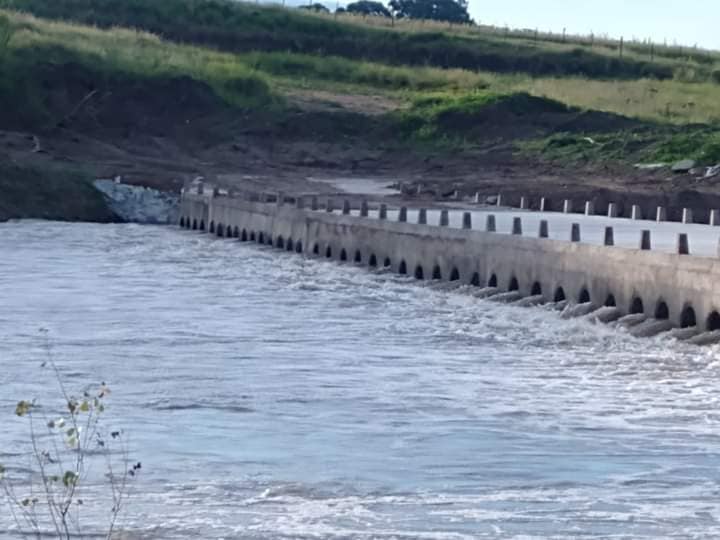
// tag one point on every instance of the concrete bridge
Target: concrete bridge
(647, 291)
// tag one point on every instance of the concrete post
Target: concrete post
(346, 207)
(314, 203)
(683, 246)
(543, 204)
(715, 218)
(612, 210)
(477, 197)
(280, 200)
(383, 211)
(364, 210)
(422, 216)
(216, 191)
(609, 236)
(687, 215)
(636, 212)
(456, 195)
(567, 206)
(645, 243)
(523, 203)
(517, 226)
(444, 218)
(200, 188)
(589, 208)
(402, 215)
(575, 232)
(490, 223)
(330, 206)
(544, 232)
(299, 202)
(661, 214)
(499, 199)
(467, 220)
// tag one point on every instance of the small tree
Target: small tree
(368, 7)
(316, 7)
(455, 11)
(63, 446)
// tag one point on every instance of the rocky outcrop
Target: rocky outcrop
(139, 204)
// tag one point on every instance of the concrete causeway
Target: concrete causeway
(508, 256)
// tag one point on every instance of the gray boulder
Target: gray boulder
(683, 166)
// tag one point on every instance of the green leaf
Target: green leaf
(84, 406)
(70, 478)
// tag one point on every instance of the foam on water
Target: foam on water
(269, 395)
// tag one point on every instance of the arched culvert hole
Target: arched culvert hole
(559, 295)
(252, 236)
(212, 226)
(358, 257)
(328, 252)
(289, 245)
(229, 231)
(343, 255)
(475, 280)
(373, 260)
(243, 236)
(661, 311)
(492, 282)
(279, 242)
(298, 247)
(584, 296)
(387, 263)
(437, 274)
(236, 232)
(513, 285)
(182, 222)
(610, 301)
(454, 274)
(636, 306)
(220, 230)
(402, 269)
(202, 225)
(713, 321)
(194, 224)
(419, 274)
(261, 238)
(536, 289)
(687, 317)
(316, 249)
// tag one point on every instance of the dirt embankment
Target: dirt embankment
(160, 133)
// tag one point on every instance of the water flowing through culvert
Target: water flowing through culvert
(273, 396)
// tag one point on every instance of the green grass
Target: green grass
(245, 27)
(49, 193)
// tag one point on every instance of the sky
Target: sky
(687, 22)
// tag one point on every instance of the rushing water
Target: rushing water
(272, 396)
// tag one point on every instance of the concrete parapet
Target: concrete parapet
(589, 208)
(402, 214)
(687, 216)
(714, 218)
(575, 232)
(467, 220)
(567, 206)
(444, 218)
(645, 242)
(382, 214)
(422, 216)
(683, 246)
(636, 212)
(517, 226)
(544, 231)
(609, 236)
(661, 214)
(612, 210)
